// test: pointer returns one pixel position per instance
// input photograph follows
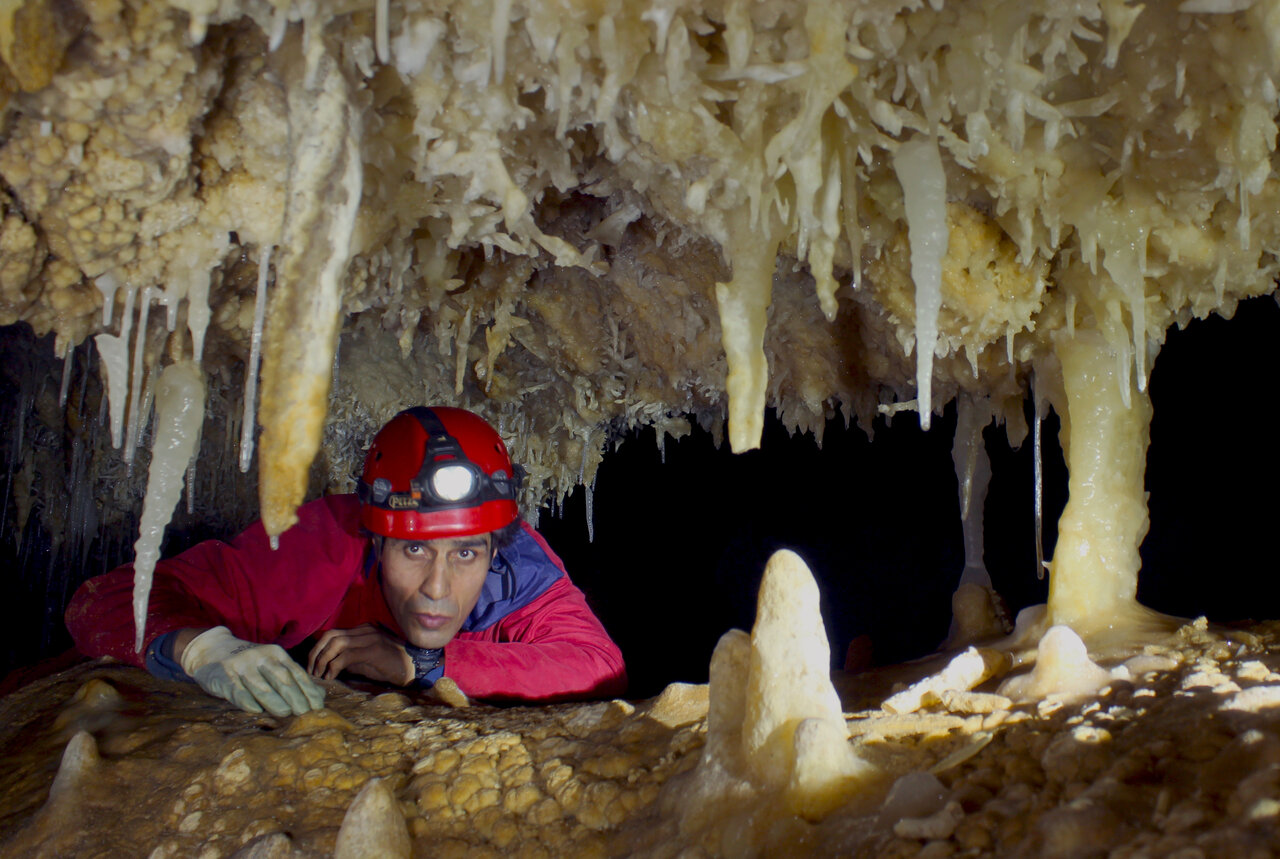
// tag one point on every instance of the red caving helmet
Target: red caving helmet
(437, 472)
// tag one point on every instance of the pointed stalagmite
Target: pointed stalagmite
(775, 725)
(373, 826)
(727, 697)
(78, 760)
(789, 673)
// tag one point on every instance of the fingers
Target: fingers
(264, 678)
(243, 698)
(266, 694)
(311, 690)
(287, 687)
(364, 650)
(329, 644)
(338, 649)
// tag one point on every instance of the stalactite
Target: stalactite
(325, 175)
(180, 400)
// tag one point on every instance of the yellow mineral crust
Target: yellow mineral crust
(988, 295)
(34, 37)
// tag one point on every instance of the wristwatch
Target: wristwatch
(428, 665)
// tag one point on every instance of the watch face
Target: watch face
(428, 665)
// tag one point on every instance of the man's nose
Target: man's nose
(436, 583)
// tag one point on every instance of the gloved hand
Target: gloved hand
(252, 676)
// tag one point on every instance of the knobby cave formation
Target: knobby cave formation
(236, 236)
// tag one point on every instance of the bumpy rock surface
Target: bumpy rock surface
(1179, 759)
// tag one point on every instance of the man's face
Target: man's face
(432, 585)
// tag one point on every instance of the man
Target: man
(428, 572)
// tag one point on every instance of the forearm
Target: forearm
(536, 671)
(100, 616)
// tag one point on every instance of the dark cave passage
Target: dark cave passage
(680, 544)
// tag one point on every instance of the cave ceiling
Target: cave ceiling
(580, 218)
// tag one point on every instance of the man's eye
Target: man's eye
(466, 554)
(414, 549)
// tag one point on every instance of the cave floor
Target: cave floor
(1182, 761)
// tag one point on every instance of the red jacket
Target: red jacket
(531, 637)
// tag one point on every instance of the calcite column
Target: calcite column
(1106, 423)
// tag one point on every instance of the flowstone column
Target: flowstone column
(1093, 582)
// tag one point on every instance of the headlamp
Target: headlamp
(453, 482)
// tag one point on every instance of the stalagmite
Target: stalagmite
(79, 759)
(777, 745)
(789, 672)
(1063, 669)
(180, 398)
(373, 826)
(302, 328)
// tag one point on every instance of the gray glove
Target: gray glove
(252, 676)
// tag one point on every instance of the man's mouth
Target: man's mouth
(432, 621)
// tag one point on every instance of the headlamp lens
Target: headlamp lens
(453, 482)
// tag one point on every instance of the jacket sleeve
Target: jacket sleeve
(263, 595)
(551, 650)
